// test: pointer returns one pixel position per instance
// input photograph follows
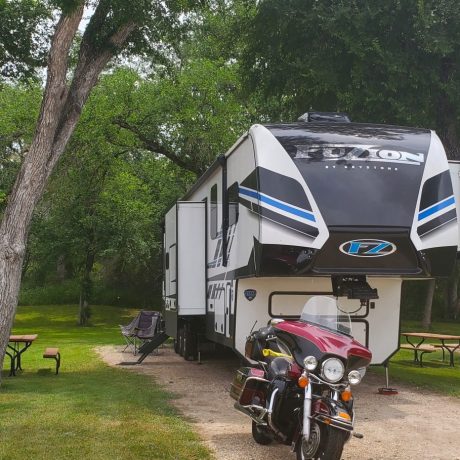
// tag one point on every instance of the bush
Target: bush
(68, 292)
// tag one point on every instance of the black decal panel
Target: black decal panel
(436, 189)
(359, 175)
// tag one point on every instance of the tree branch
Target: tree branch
(154, 146)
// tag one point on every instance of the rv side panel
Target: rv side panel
(170, 281)
(191, 270)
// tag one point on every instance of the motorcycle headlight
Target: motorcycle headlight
(354, 377)
(310, 363)
(333, 370)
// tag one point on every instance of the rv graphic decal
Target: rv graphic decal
(367, 248)
(215, 290)
(219, 251)
(335, 152)
(280, 199)
(437, 204)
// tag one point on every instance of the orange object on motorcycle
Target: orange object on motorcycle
(303, 381)
(346, 395)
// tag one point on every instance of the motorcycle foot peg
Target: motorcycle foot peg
(358, 435)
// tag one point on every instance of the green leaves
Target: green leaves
(23, 32)
(383, 62)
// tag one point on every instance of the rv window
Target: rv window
(232, 193)
(167, 261)
(214, 216)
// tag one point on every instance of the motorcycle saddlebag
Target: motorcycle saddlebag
(249, 386)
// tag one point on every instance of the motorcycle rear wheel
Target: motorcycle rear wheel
(330, 446)
(261, 434)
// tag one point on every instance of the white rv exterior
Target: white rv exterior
(291, 211)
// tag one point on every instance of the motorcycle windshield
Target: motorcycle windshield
(325, 312)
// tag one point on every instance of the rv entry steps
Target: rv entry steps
(148, 347)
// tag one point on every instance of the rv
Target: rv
(321, 206)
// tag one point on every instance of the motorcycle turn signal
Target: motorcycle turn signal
(303, 381)
(346, 395)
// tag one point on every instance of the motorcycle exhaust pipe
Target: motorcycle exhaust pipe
(307, 413)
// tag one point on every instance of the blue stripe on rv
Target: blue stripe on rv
(277, 204)
(435, 208)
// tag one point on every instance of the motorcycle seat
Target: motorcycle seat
(278, 367)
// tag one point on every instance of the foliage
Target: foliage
(382, 62)
(189, 117)
(19, 110)
(23, 31)
(105, 202)
(89, 410)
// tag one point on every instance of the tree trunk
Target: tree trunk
(86, 287)
(59, 113)
(452, 294)
(31, 180)
(426, 322)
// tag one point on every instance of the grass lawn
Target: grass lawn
(435, 374)
(89, 411)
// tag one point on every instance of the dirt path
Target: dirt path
(411, 425)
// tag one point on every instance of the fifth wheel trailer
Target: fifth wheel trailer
(294, 210)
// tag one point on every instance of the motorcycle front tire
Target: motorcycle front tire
(330, 446)
(261, 434)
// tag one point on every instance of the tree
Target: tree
(114, 25)
(189, 116)
(22, 47)
(427, 310)
(383, 62)
(19, 104)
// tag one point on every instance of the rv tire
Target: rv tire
(176, 344)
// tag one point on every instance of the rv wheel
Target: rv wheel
(176, 344)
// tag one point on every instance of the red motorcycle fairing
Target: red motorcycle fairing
(320, 341)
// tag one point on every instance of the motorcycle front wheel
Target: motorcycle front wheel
(330, 447)
(261, 434)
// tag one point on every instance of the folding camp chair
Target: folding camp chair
(129, 333)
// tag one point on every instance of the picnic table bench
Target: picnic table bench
(443, 338)
(418, 351)
(53, 353)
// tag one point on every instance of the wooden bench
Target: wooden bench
(419, 351)
(53, 353)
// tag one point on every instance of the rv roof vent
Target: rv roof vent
(334, 117)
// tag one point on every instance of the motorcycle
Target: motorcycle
(298, 388)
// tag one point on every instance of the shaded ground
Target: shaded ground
(414, 424)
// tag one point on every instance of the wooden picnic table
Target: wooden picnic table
(443, 338)
(17, 345)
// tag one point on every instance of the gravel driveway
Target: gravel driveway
(414, 424)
